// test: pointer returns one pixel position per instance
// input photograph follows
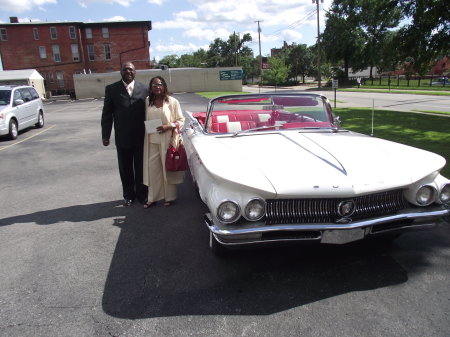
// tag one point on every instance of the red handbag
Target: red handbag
(176, 158)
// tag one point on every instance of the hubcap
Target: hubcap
(14, 129)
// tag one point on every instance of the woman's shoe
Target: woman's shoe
(148, 204)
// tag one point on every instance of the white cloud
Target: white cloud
(124, 3)
(19, 6)
(115, 18)
(173, 48)
(156, 2)
(207, 34)
(291, 35)
(186, 15)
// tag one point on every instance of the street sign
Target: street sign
(226, 75)
(334, 84)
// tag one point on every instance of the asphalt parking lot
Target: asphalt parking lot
(75, 262)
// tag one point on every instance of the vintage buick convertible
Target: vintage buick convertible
(278, 167)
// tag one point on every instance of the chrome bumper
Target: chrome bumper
(333, 233)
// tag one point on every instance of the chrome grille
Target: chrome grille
(326, 210)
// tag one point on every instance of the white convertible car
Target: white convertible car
(278, 167)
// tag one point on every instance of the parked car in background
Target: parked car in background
(279, 168)
(443, 81)
(20, 108)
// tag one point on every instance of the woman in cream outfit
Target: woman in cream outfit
(159, 105)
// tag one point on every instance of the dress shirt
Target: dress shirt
(129, 87)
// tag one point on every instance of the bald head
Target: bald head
(128, 72)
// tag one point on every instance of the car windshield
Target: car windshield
(255, 113)
(5, 97)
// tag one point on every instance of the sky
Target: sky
(184, 26)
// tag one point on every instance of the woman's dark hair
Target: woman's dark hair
(151, 97)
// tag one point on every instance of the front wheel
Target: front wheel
(40, 122)
(13, 130)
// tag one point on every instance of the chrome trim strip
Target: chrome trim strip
(430, 217)
(340, 169)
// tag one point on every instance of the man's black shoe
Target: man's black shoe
(127, 203)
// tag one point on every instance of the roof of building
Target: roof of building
(84, 24)
(20, 74)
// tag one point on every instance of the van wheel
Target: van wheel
(13, 131)
(40, 122)
(216, 247)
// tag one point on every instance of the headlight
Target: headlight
(425, 195)
(444, 196)
(255, 209)
(228, 211)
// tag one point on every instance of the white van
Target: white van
(20, 108)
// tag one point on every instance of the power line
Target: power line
(279, 32)
(294, 24)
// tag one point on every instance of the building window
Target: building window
(60, 79)
(42, 52)
(107, 49)
(56, 55)
(50, 77)
(36, 33)
(72, 32)
(105, 32)
(75, 54)
(3, 34)
(53, 33)
(88, 33)
(91, 54)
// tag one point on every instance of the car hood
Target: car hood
(333, 164)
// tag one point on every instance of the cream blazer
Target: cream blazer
(171, 114)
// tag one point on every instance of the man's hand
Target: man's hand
(105, 142)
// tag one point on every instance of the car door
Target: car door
(19, 108)
(27, 111)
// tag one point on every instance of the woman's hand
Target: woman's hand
(163, 128)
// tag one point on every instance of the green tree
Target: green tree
(356, 31)
(376, 18)
(250, 66)
(301, 59)
(171, 61)
(278, 71)
(343, 39)
(390, 57)
(427, 36)
(228, 53)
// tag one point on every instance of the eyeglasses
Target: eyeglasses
(157, 85)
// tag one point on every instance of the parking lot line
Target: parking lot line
(21, 141)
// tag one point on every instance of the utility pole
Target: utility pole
(260, 57)
(318, 43)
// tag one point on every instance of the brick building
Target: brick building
(58, 50)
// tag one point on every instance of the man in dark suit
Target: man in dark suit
(124, 107)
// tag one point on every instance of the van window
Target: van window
(5, 96)
(33, 93)
(26, 95)
(16, 96)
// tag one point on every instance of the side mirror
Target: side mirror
(18, 102)
(337, 121)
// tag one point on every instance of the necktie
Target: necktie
(129, 89)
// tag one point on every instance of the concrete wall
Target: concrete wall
(178, 80)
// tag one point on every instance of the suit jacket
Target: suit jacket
(126, 113)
